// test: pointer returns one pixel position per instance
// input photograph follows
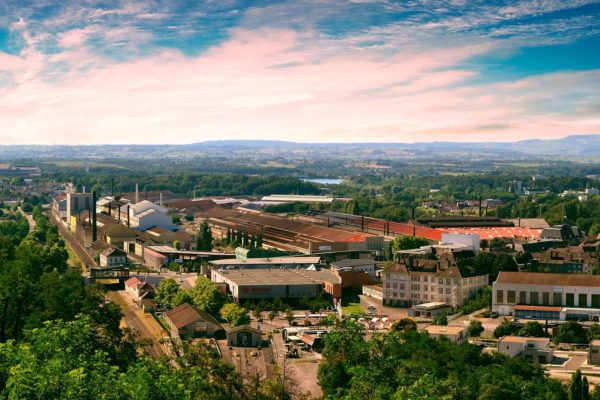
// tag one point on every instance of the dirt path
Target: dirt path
(136, 319)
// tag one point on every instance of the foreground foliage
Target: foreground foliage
(411, 365)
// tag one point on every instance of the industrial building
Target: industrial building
(293, 235)
(247, 284)
(547, 296)
(274, 262)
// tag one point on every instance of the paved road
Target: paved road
(136, 319)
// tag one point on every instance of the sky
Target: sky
(149, 71)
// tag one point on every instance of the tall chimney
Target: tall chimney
(160, 199)
(110, 209)
(137, 193)
(128, 215)
(94, 222)
(362, 223)
(83, 189)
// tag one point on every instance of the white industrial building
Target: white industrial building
(146, 214)
(547, 296)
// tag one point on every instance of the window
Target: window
(456, 281)
(387, 285)
(425, 279)
(534, 298)
(441, 290)
(387, 276)
(510, 296)
(402, 295)
(522, 297)
(415, 287)
(447, 281)
(499, 296)
(440, 281)
(596, 300)
(447, 290)
(425, 288)
(582, 300)
(395, 285)
(545, 298)
(402, 286)
(557, 299)
(395, 293)
(570, 300)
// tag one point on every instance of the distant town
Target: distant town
(269, 283)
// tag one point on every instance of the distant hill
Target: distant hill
(575, 146)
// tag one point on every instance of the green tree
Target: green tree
(594, 332)
(570, 332)
(182, 297)
(440, 320)
(506, 328)
(207, 296)
(235, 314)
(204, 241)
(475, 328)
(289, 316)
(167, 290)
(404, 325)
(532, 329)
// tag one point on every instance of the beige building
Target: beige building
(374, 291)
(594, 353)
(414, 281)
(455, 334)
(537, 348)
(186, 322)
(112, 256)
(549, 296)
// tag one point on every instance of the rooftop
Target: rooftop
(267, 261)
(522, 339)
(262, 277)
(352, 263)
(548, 279)
(444, 329)
(185, 314)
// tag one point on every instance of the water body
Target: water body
(324, 181)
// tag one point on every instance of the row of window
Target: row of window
(417, 296)
(547, 298)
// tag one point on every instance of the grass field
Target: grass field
(83, 164)
(353, 308)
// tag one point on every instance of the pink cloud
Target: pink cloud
(268, 84)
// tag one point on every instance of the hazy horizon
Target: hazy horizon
(152, 72)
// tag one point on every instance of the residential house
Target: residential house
(139, 290)
(112, 256)
(455, 334)
(537, 348)
(187, 322)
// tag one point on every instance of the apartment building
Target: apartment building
(550, 296)
(415, 280)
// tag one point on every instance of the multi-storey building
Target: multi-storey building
(420, 280)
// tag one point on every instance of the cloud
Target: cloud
(286, 71)
(238, 90)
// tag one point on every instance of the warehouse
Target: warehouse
(292, 235)
(532, 295)
(245, 284)
(272, 262)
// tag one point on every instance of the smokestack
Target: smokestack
(94, 222)
(110, 209)
(128, 215)
(480, 205)
(362, 223)
(160, 199)
(83, 188)
(412, 213)
(137, 193)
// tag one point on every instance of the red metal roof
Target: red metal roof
(537, 308)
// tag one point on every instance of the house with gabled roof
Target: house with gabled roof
(188, 322)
